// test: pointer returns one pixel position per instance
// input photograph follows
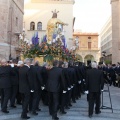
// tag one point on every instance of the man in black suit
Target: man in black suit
(55, 84)
(5, 84)
(25, 87)
(36, 80)
(94, 85)
(14, 88)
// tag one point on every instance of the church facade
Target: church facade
(39, 12)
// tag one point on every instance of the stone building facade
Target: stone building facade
(39, 12)
(115, 5)
(88, 50)
(11, 19)
(106, 41)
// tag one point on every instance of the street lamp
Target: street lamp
(104, 55)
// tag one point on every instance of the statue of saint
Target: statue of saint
(54, 27)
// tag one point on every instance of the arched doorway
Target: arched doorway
(88, 59)
(79, 58)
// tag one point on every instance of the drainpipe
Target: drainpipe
(11, 16)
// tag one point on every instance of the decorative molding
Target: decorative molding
(6, 45)
(54, 1)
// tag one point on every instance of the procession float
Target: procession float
(53, 45)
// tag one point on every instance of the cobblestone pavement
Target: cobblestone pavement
(79, 110)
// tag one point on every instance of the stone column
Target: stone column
(115, 31)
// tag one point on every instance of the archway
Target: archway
(79, 58)
(88, 59)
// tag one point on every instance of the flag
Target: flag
(44, 38)
(33, 39)
(54, 36)
(64, 42)
(36, 39)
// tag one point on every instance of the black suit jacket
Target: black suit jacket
(24, 82)
(35, 78)
(14, 77)
(5, 73)
(55, 81)
(94, 80)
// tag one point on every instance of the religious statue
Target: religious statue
(54, 27)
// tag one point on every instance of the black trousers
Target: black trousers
(14, 90)
(63, 98)
(38, 97)
(69, 93)
(33, 101)
(5, 96)
(45, 97)
(94, 98)
(73, 93)
(25, 103)
(53, 103)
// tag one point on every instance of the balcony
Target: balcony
(54, 1)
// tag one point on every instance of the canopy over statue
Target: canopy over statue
(54, 27)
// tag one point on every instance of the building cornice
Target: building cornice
(85, 34)
(113, 1)
(54, 1)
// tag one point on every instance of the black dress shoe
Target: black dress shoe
(25, 117)
(19, 103)
(70, 105)
(67, 107)
(74, 101)
(34, 113)
(38, 109)
(98, 112)
(55, 118)
(90, 116)
(63, 112)
(13, 106)
(5, 111)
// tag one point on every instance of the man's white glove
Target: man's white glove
(79, 82)
(86, 92)
(32, 91)
(84, 80)
(69, 88)
(42, 88)
(64, 91)
(12, 65)
(102, 90)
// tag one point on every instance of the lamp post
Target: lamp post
(104, 55)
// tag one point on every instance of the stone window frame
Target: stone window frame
(39, 25)
(32, 25)
(16, 21)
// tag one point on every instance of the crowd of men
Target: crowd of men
(111, 73)
(27, 83)
(58, 86)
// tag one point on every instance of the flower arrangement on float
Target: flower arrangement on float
(49, 52)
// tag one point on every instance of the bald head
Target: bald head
(3, 61)
(94, 65)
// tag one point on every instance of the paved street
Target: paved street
(77, 112)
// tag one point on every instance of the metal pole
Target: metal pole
(11, 9)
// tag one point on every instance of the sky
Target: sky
(91, 15)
